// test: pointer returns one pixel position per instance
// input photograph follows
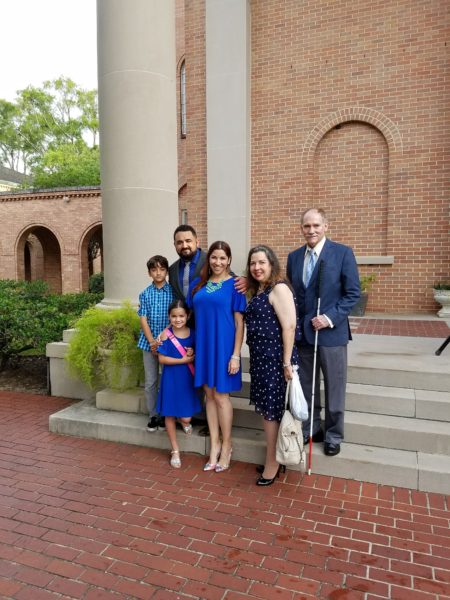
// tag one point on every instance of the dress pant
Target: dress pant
(151, 371)
(332, 361)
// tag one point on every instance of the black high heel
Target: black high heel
(260, 469)
(263, 481)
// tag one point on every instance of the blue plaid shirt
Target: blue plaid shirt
(154, 304)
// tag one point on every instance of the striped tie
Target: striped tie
(187, 266)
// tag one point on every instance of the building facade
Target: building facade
(283, 105)
(349, 110)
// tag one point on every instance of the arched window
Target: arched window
(183, 99)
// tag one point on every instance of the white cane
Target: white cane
(313, 391)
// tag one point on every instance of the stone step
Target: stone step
(433, 405)
(396, 361)
(384, 431)
(85, 420)
(400, 402)
(380, 399)
(373, 399)
(399, 433)
(415, 470)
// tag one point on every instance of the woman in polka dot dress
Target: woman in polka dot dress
(271, 320)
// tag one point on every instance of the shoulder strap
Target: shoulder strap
(286, 397)
(179, 347)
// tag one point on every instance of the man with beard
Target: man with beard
(192, 258)
(181, 274)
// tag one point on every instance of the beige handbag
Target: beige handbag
(289, 449)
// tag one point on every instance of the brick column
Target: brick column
(137, 107)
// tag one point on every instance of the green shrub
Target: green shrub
(442, 285)
(104, 342)
(97, 283)
(30, 316)
(366, 281)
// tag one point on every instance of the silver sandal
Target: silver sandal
(175, 460)
(186, 428)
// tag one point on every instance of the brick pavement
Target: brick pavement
(99, 520)
(403, 327)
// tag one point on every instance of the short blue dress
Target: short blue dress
(264, 338)
(177, 396)
(214, 307)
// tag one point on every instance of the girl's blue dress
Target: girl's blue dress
(214, 308)
(177, 396)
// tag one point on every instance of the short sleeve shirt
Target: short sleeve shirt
(154, 304)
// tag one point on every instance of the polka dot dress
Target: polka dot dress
(267, 386)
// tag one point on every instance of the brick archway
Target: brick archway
(93, 234)
(46, 262)
(367, 115)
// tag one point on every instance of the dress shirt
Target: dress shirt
(154, 304)
(192, 265)
(317, 250)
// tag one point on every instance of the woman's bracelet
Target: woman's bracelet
(287, 365)
(235, 357)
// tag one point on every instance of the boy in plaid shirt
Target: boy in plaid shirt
(154, 303)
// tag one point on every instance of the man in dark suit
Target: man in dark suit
(339, 291)
(181, 274)
(192, 258)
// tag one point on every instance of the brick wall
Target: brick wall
(379, 73)
(194, 195)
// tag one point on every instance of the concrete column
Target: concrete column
(228, 124)
(137, 107)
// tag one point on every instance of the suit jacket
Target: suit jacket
(339, 291)
(174, 274)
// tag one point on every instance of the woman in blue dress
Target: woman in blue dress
(177, 398)
(271, 319)
(219, 324)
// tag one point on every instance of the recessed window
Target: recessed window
(183, 98)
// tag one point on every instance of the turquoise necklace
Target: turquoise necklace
(212, 286)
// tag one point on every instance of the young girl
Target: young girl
(177, 397)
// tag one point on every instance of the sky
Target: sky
(41, 40)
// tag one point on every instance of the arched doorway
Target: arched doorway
(39, 257)
(91, 254)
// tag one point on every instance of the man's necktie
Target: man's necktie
(187, 267)
(310, 266)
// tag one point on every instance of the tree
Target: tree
(68, 165)
(9, 140)
(51, 133)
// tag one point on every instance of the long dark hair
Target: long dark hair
(206, 270)
(275, 275)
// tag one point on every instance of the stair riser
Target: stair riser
(366, 403)
(384, 437)
(404, 379)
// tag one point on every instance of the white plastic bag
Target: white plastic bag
(297, 401)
